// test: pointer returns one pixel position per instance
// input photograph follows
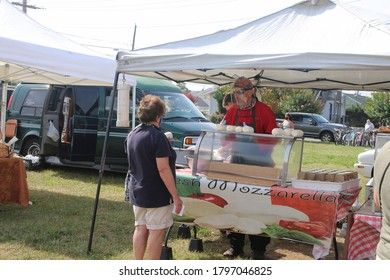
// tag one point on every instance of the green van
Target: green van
(80, 115)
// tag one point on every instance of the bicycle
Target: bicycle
(338, 136)
(359, 139)
(349, 138)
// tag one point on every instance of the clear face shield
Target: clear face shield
(243, 97)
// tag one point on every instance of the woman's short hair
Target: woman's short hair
(151, 107)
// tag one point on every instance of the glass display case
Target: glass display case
(250, 158)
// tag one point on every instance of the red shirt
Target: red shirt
(264, 118)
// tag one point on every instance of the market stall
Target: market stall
(221, 190)
(257, 50)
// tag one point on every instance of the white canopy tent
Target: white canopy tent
(30, 52)
(321, 44)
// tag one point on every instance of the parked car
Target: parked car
(314, 126)
(80, 114)
(365, 164)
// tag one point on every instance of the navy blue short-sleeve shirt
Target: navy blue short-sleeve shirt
(144, 144)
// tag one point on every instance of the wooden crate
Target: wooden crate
(241, 173)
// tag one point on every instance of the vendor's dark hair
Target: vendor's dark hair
(151, 107)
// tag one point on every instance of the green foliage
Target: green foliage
(291, 100)
(378, 107)
(271, 97)
(300, 100)
(218, 96)
(356, 116)
(216, 118)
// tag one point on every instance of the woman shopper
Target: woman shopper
(288, 122)
(151, 179)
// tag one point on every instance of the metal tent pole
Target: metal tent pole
(103, 161)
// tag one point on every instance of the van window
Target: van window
(53, 99)
(87, 101)
(114, 112)
(33, 103)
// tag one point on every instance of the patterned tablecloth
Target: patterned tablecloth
(364, 236)
(13, 181)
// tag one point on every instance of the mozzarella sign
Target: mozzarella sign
(300, 214)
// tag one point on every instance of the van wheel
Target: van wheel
(327, 137)
(32, 147)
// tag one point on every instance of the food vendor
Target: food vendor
(249, 111)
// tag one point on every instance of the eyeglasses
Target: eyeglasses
(241, 91)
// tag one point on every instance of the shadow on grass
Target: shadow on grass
(57, 226)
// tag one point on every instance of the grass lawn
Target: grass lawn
(57, 224)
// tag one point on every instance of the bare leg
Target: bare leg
(155, 241)
(140, 238)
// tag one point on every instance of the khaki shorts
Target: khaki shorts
(153, 218)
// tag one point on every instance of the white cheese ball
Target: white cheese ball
(248, 129)
(238, 129)
(297, 133)
(221, 127)
(288, 131)
(231, 128)
(277, 131)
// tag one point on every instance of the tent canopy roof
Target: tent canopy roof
(30, 52)
(323, 44)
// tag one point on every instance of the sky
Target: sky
(108, 26)
(117, 24)
(112, 25)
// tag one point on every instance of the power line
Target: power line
(132, 6)
(24, 6)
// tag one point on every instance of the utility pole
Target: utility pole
(25, 6)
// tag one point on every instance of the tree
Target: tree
(300, 100)
(282, 100)
(356, 116)
(219, 94)
(271, 97)
(378, 107)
